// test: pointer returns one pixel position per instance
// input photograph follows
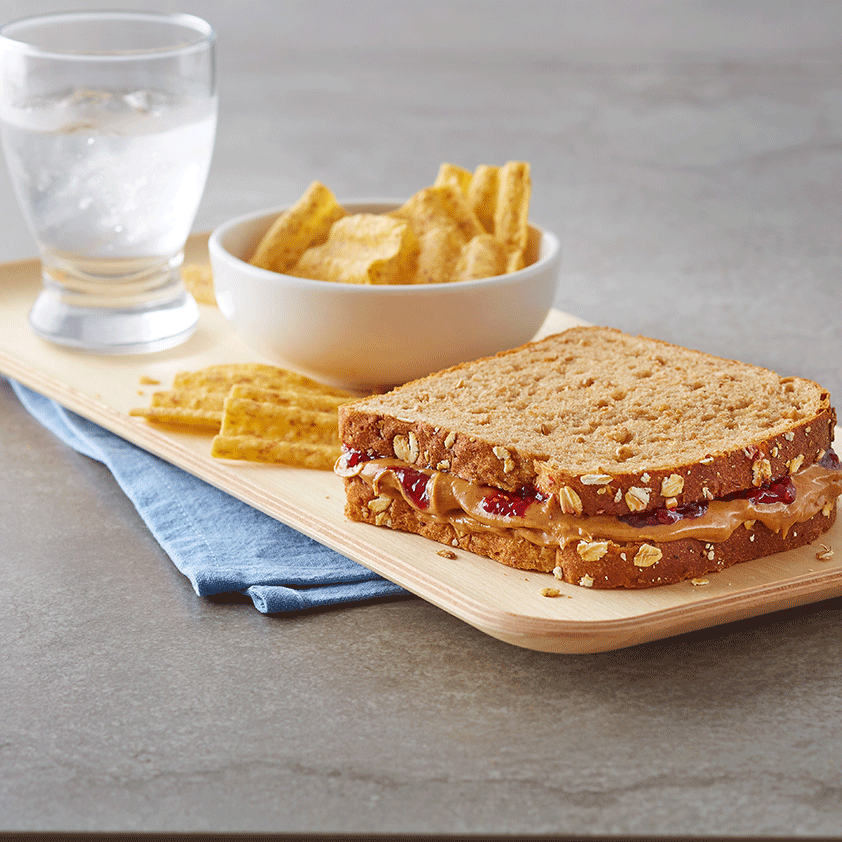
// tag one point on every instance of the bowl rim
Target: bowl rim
(550, 240)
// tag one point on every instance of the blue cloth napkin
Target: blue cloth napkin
(219, 543)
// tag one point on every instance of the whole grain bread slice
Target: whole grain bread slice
(612, 423)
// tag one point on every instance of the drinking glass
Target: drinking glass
(108, 122)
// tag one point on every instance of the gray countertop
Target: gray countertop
(689, 155)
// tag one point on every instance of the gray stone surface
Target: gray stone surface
(689, 155)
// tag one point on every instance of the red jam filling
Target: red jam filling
(830, 461)
(352, 458)
(515, 503)
(780, 491)
(664, 516)
(415, 485)
(511, 503)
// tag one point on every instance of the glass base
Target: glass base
(138, 329)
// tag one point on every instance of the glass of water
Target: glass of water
(108, 122)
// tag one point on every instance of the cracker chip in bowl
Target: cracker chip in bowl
(395, 289)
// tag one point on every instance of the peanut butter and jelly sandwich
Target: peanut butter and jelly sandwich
(610, 460)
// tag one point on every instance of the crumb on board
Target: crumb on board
(550, 592)
(447, 554)
(146, 380)
(825, 553)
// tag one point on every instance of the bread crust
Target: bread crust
(679, 560)
(752, 461)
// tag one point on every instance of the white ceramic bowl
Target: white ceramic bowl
(370, 337)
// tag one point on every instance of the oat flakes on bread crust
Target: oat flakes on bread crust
(612, 423)
(619, 566)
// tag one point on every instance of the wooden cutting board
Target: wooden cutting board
(504, 603)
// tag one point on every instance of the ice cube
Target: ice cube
(147, 102)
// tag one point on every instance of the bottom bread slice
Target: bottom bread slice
(620, 565)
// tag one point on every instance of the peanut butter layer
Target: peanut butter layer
(452, 500)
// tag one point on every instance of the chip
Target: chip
(246, 417)
(260, 413)
(483, 257)
(482, 195)
(296, 454)
(458, 177)
(284, 427)
(204, 399)
(220, 378)
(316, 239)
(199, 282)
(499, 198)
(515, 260)
(443, 206)
(188, 407)
(305, 224)
(197, 398)
(511, 212)
(363, 248)
(204, 419)
(439, 249)
(289, 397)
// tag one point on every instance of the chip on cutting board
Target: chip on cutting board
(318, 401)
(248, 417)
(294, 454)
(223, 377)
(180, 417)
(259, 412)
(260, 425)
(185, 408)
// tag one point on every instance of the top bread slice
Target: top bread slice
(612, 423)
